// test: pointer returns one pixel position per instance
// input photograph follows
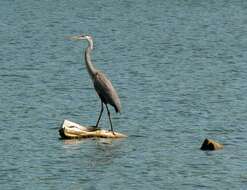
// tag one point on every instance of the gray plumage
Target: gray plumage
(106, 91)
(102, 84)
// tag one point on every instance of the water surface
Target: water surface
(179, 68)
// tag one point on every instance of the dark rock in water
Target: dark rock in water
(211, 145)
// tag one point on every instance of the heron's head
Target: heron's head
(81, 37)
(84, 37)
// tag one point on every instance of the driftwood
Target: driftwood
(70, 130)
(209, 144)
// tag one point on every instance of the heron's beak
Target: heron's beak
(78, 37)
(73, 37)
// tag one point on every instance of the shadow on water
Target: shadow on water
(98, 151)
(99, 141)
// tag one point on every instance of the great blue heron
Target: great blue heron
(102, 84)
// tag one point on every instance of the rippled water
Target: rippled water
(181, 73)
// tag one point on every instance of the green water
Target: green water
(179, 68)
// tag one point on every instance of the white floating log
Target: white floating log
(73, 130)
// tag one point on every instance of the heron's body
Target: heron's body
(102, 84)
(106, 91)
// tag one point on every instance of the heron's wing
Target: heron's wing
(106, 91)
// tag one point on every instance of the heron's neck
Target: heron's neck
(90, 43)
(90, 68)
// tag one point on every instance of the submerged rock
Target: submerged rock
(209, 144)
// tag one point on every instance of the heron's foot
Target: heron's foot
(113, 133)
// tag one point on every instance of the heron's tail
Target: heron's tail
(117, 109)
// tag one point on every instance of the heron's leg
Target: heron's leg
(109, 115)
(101, 111)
